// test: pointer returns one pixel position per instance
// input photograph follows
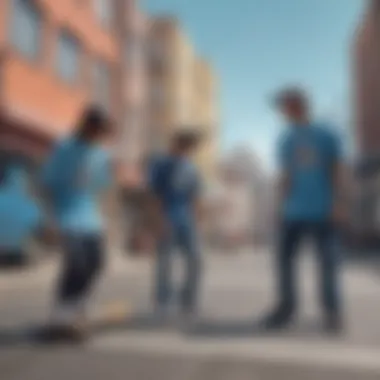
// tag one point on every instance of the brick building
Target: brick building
(58, 56)
(55, 57)
(366, 57)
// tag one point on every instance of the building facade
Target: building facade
(132, 143)
(366, 71)
(205, 114)
(132, 87)
(244, 201)
(182, 90)
(170, 63)
(55, 57)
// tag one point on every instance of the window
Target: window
(101, 84)
(68, 64)
(104, 10)
(26, 28)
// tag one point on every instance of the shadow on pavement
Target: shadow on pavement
(139, 322)
(249, 329)
(13, 338)
(26, 336)
(199, 329)
(216, 329)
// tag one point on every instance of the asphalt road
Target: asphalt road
(221, 344)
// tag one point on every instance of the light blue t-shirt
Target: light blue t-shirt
(175, 181)
(19, 214)
(75, 176)
(308, 155)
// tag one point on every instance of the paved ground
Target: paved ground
(222, 344)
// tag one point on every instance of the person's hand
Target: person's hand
(50, 235)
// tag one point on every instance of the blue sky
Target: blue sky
(258, 46)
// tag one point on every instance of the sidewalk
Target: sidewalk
(334, 354)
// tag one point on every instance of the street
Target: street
(221, 344)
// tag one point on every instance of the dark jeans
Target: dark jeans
(184, 238)
(323, 237)
(12, 257)
(82, 261)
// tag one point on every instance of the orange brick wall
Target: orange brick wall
(32, 90)
(4, 6)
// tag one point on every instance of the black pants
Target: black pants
(323, 237)
(82, 261)
(11, 257)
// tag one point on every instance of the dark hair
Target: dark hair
(187, 139)
(291, 94)
(94, 122)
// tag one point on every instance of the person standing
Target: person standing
(175, 185)
(76, 175)
(311, 204)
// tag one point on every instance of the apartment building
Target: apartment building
(55, 57)
(366, 59)
(170, 63)
(205, 114)
(182, 89)
(132, 28)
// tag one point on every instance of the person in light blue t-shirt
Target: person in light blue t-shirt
(311, 204)
(174, 180)
(20, 217)
(75, 176)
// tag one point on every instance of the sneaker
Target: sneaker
(62, 334)
(334, 324)
(277, 320)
